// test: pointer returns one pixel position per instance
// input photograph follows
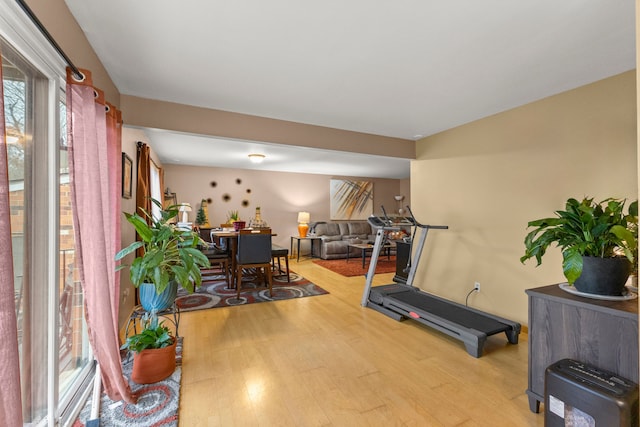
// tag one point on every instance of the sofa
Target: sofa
(335, 238)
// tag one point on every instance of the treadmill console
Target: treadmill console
(376, 222)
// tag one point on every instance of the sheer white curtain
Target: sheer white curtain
(10, 401)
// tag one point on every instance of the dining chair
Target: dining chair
(277, 253)
(254, 251)
(220, 259)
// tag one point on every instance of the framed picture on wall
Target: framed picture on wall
(127, 176)
(350, 199)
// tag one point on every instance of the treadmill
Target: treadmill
(402, 301)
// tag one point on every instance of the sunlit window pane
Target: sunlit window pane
(73, 339)
(18, 85)
(48, 324)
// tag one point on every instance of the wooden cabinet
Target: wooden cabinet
(563, 325)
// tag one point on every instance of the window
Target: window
(155, 189)
(75, 358)
(55, 357)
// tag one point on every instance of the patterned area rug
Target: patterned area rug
(214, 293)
(157, 403)
(354, 266)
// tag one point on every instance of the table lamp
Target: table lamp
(185, 208)
(303, 223)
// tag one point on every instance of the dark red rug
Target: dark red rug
(354, 266)
(214, 293)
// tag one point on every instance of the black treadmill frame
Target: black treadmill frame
(382, 299)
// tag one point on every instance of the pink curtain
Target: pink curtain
(10, 401)
(95, 170)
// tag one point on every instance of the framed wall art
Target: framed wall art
(350, 200)
(127, 176)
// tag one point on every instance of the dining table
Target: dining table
(230, 238)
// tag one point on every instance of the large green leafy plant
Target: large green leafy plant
(585, 228)
(170, 253)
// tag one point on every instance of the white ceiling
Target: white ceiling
(402, 68)
(230, 153)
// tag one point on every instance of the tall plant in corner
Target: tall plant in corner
(171, 255)
(585, 229)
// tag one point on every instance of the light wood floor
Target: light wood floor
(326, 361)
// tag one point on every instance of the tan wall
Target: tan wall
(487, 179)
(178, 117)
(128, 235)
(60, 23)
(280, 195)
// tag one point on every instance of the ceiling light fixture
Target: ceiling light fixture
(256, 158)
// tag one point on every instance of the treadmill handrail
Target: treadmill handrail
(383, 226)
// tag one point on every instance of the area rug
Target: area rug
(157, 403)
(214, 293)
(354, 266)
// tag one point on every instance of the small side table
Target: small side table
(364, 247)
(313, 239)
(172, 314)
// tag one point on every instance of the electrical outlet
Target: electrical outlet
(476, 287)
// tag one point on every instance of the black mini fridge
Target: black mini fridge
(578, 394)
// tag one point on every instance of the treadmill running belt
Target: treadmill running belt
(450, 312)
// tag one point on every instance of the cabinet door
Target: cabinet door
(599, 338)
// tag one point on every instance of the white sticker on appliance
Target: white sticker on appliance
(556, 406)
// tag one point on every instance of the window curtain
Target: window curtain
(143, 191)
(10, 400)
(95, 169)
(143, 187)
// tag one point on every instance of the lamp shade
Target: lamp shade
(304, 217)
(185, 208)
(303, 223)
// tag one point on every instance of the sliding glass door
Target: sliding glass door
(55, 358)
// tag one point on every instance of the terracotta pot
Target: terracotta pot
(153, 365)
(603, 276)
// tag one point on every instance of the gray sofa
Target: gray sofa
(336, 236)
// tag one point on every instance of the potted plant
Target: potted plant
(234, 218)
(171, 258)
(154, 351)
(598, 242)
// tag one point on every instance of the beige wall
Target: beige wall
(59, 22)
(487, 179)
(280, 195)
(128, 235)
(204, 121)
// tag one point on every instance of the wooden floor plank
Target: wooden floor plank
(327, 361)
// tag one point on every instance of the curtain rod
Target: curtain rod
(76, 72)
